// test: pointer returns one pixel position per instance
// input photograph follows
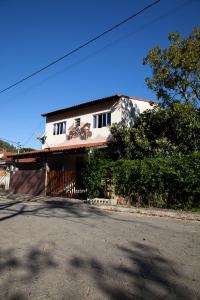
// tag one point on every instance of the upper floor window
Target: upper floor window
(77, 122)
(102, 120)
(59, 128)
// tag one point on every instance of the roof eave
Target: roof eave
(72, 148)
(85, 104)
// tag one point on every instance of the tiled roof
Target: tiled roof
(83, 105)
(58, 149)
(92, 102)
(5, 155)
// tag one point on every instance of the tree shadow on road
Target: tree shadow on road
(21, 270)
(66, 209)
(51, 208)
(144, 274)
(47, 209)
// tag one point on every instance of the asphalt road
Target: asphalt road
(73, 252)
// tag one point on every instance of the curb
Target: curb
(150, 212)
(114, 208)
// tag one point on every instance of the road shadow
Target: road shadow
(142, 274)
(73, 210)
(57, 209)
(21, 270)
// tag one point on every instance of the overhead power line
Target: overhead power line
(18, 144)
(32, 134)
(8, 141)
(81, 46)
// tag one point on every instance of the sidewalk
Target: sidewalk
(175, 214)
(151, 212)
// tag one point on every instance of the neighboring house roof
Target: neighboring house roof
(58, 149)
(5, 159)
(4, 156)
(93, 102)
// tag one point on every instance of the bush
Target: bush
(172, 182)
(165, 182)
(97, 171)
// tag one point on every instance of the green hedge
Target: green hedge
(98, 169)
(171, 182)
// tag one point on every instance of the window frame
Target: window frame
(75, 122)
(101, 120)
(59, 128)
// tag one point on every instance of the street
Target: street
(71, 251)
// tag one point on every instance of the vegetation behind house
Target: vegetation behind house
(7, 147)
(4, 147)
(159, 156)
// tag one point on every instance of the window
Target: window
(102, 120)
(95, 121)
(77, 122)
(59, 128)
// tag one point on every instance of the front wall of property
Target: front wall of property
(30, 182)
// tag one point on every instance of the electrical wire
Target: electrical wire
(9, 141)
(32, 134)
(81, 46)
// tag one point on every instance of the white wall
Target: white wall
(125, 110)
(5, 179)
(131, 108)
(86, 116)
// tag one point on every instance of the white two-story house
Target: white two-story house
(89, 122)
(69, 134)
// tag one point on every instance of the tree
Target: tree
(4, 146)
(176, 69)
(159, 131)
(173, 126)
(26, 149)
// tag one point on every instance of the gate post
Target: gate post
(46, 166)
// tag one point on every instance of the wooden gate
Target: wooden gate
(66, 184)
(30, 182)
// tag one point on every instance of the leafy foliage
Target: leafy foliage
(176, 69)
(4, 146)
(172, 182)
(159, 156)
(160, 132)
(96, 172)
(26, 149)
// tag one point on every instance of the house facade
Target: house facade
(89, 122)
(70, 133)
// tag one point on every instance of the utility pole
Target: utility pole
(18, 147)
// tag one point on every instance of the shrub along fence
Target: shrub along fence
(170, 182)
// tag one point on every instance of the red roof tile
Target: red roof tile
(59, 148)
(5, 155)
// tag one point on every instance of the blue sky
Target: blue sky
(36, 32)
